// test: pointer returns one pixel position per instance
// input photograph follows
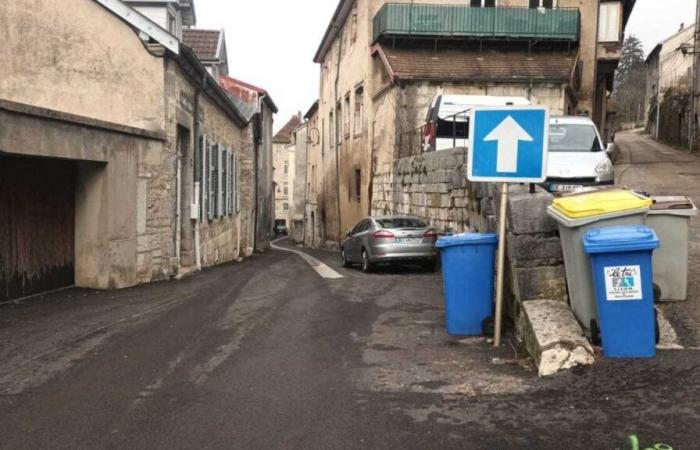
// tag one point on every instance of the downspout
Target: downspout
(337, 134)
(198, 184)
(256, 167)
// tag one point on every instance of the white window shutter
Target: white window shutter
(211, 204)
(220, 185)
(236, 196)
(203, 177)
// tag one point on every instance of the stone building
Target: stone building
(669, 98)
(122, 161)
(299, 177)
(381, 64)
(316, 166)
(256, 104)
(283, 163)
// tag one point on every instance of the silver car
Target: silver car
(395, 239)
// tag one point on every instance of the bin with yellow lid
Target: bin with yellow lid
(576, 214)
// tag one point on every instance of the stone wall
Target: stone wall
(434, 186)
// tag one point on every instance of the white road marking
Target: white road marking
(318, 266)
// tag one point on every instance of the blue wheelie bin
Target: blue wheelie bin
(621, 258)
(468, 269)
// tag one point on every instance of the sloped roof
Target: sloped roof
(284, 136)
(459, 65)
(206, 44)
(246, 92)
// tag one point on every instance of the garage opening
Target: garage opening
(37, 225)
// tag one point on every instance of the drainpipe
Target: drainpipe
(337, 134)
(178, 213)
(256, 167)
(198, 185)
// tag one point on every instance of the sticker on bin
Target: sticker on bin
(623, 283)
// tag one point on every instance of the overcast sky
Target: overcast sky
(271, 43)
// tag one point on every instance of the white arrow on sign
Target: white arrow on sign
(508, 134)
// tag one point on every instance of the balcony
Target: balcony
(501, 23)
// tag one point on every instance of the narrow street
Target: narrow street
(658, 169)
(268, 354)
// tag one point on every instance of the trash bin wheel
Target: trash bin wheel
(657, 293)
(656, 326)
(595, 333)
(488, 327)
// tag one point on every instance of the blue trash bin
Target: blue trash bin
(467, 268)
(621, 258)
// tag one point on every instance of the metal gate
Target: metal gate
(37, 225)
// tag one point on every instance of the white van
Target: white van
(447, 123)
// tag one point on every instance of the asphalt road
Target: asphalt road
(266, 354)
(658, 169)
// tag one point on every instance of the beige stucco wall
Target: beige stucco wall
(75, 56)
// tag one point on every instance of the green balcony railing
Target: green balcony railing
(405, 20)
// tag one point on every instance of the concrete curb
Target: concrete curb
(553, 337)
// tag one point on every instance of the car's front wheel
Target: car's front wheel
(366, 264)
(344, 258)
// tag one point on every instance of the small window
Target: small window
(548, 4)
(483, 3)
(358, 185)
(346, 117)
(286, 189)
(339, 111)
(610, 22)
(286, 168)
(359, 110)
(286, 206)
(331, 129)
(353, 24)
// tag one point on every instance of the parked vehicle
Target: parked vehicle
(577, 157)
(281, 228)
(384, 240)
(447, 122)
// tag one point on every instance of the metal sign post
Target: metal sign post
(508, 145)
(500, 275)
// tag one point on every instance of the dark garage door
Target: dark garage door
(37, 217)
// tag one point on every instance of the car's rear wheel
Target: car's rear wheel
(344, 258)
(366, 264)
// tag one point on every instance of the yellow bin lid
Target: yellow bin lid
(600, 203)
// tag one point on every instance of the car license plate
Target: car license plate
(410, 240)
(567, 187)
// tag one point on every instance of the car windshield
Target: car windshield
(401, 223)
(573, 138)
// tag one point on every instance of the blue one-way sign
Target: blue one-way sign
(509, 144)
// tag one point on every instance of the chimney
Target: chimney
(682, 26)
